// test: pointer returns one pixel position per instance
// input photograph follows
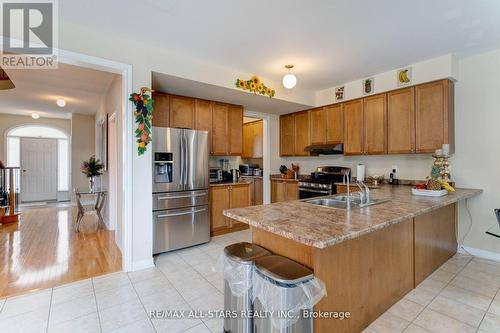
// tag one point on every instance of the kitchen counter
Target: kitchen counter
(245, 176)
(241, 182)
(321, 227)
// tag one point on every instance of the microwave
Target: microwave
(215, 175)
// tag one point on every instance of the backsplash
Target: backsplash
(234, 161)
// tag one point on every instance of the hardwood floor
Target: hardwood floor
(44, 251)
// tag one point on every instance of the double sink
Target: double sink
(340, 201)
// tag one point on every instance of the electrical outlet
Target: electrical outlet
(394, 167)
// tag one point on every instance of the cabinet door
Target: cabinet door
(258, 191)
(161, 112)
(291, 190)
(258, 139)
(401, 121)
(432, 113)
(287, 135)
(240, 197)
(302, 133)
(277, 191)
(334, 125)
(318, 128)
(203, 118)
(353, 127)
(219, 200)
(248, 140)
(219, 129)
(375, 124)
(235, 129)
(181, 112)
(251, 190)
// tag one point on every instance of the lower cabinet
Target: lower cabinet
(256, 190)
(284, 190)
(227, 197)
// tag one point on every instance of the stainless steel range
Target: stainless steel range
(180, 188)
(323, 181)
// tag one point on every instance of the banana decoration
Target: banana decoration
(403, 76)
(447, 186)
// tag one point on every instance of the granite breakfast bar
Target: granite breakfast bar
(368, 258)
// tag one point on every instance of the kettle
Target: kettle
(235, 174)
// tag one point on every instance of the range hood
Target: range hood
(326, 149)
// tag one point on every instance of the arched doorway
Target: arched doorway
(43, 153)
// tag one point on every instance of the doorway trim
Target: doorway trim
(266, 130)
(82, 60)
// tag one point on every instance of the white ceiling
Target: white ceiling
(37, 91)
(329, 41)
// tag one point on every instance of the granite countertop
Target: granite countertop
(321, 227)
(241, 182)
(245, 176)
(279, 177)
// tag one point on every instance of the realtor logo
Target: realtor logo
(29, 33)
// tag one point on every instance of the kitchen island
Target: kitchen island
(368, 258)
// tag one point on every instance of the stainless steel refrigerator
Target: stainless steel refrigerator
(180, 188)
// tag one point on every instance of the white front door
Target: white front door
(39, 169)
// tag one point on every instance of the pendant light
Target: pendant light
(289, 80)
(5, 81)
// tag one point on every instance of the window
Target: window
(36, 131)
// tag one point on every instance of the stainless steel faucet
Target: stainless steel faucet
(364, 194)
(348, 177)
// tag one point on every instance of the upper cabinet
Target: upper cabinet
(295, 134)
(252, 139)
(302, 133)
(416, 119)
(334, 123)
(235, 129)
(181, 112)
(353, 127)
(401, 121)
(222, 121)
(434, 116)
(287, 135)
(375, 124)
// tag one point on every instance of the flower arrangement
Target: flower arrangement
(143, 115)
(256, 86)
(92, 168)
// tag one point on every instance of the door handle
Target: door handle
(182, 196)
(183, 213)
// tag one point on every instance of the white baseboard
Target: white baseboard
(479, 253)
(143, 264)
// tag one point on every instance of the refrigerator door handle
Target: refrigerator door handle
(182, 159)
(183, 196)
(187, 161)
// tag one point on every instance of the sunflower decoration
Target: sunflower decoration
(143, 113)
(256, 86)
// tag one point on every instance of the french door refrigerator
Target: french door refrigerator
(180, 188)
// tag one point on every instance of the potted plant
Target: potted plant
(92, 168)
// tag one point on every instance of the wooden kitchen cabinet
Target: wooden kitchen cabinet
(181, 112)
(318, 126)
(235, 129)
(343, 188)
(375, 124)
(401, 121)
(161, 112)
(284, 190)
(203, 117)
(256, 190)
(227, 197)
(302, 133)
(353, 127)
(252, 139)
(287, 135)
(220, 145)
(434, 121)
(334, 123)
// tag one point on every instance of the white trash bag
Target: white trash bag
(285, 303)
(238, 275)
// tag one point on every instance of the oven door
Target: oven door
(305, 193)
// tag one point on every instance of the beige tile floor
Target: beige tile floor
(462, 296)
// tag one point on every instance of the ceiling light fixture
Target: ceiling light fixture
(5, 81)
(61, 102)
(35, 115)
(289, 80)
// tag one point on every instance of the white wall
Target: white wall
(82, 146)
(476, 162)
